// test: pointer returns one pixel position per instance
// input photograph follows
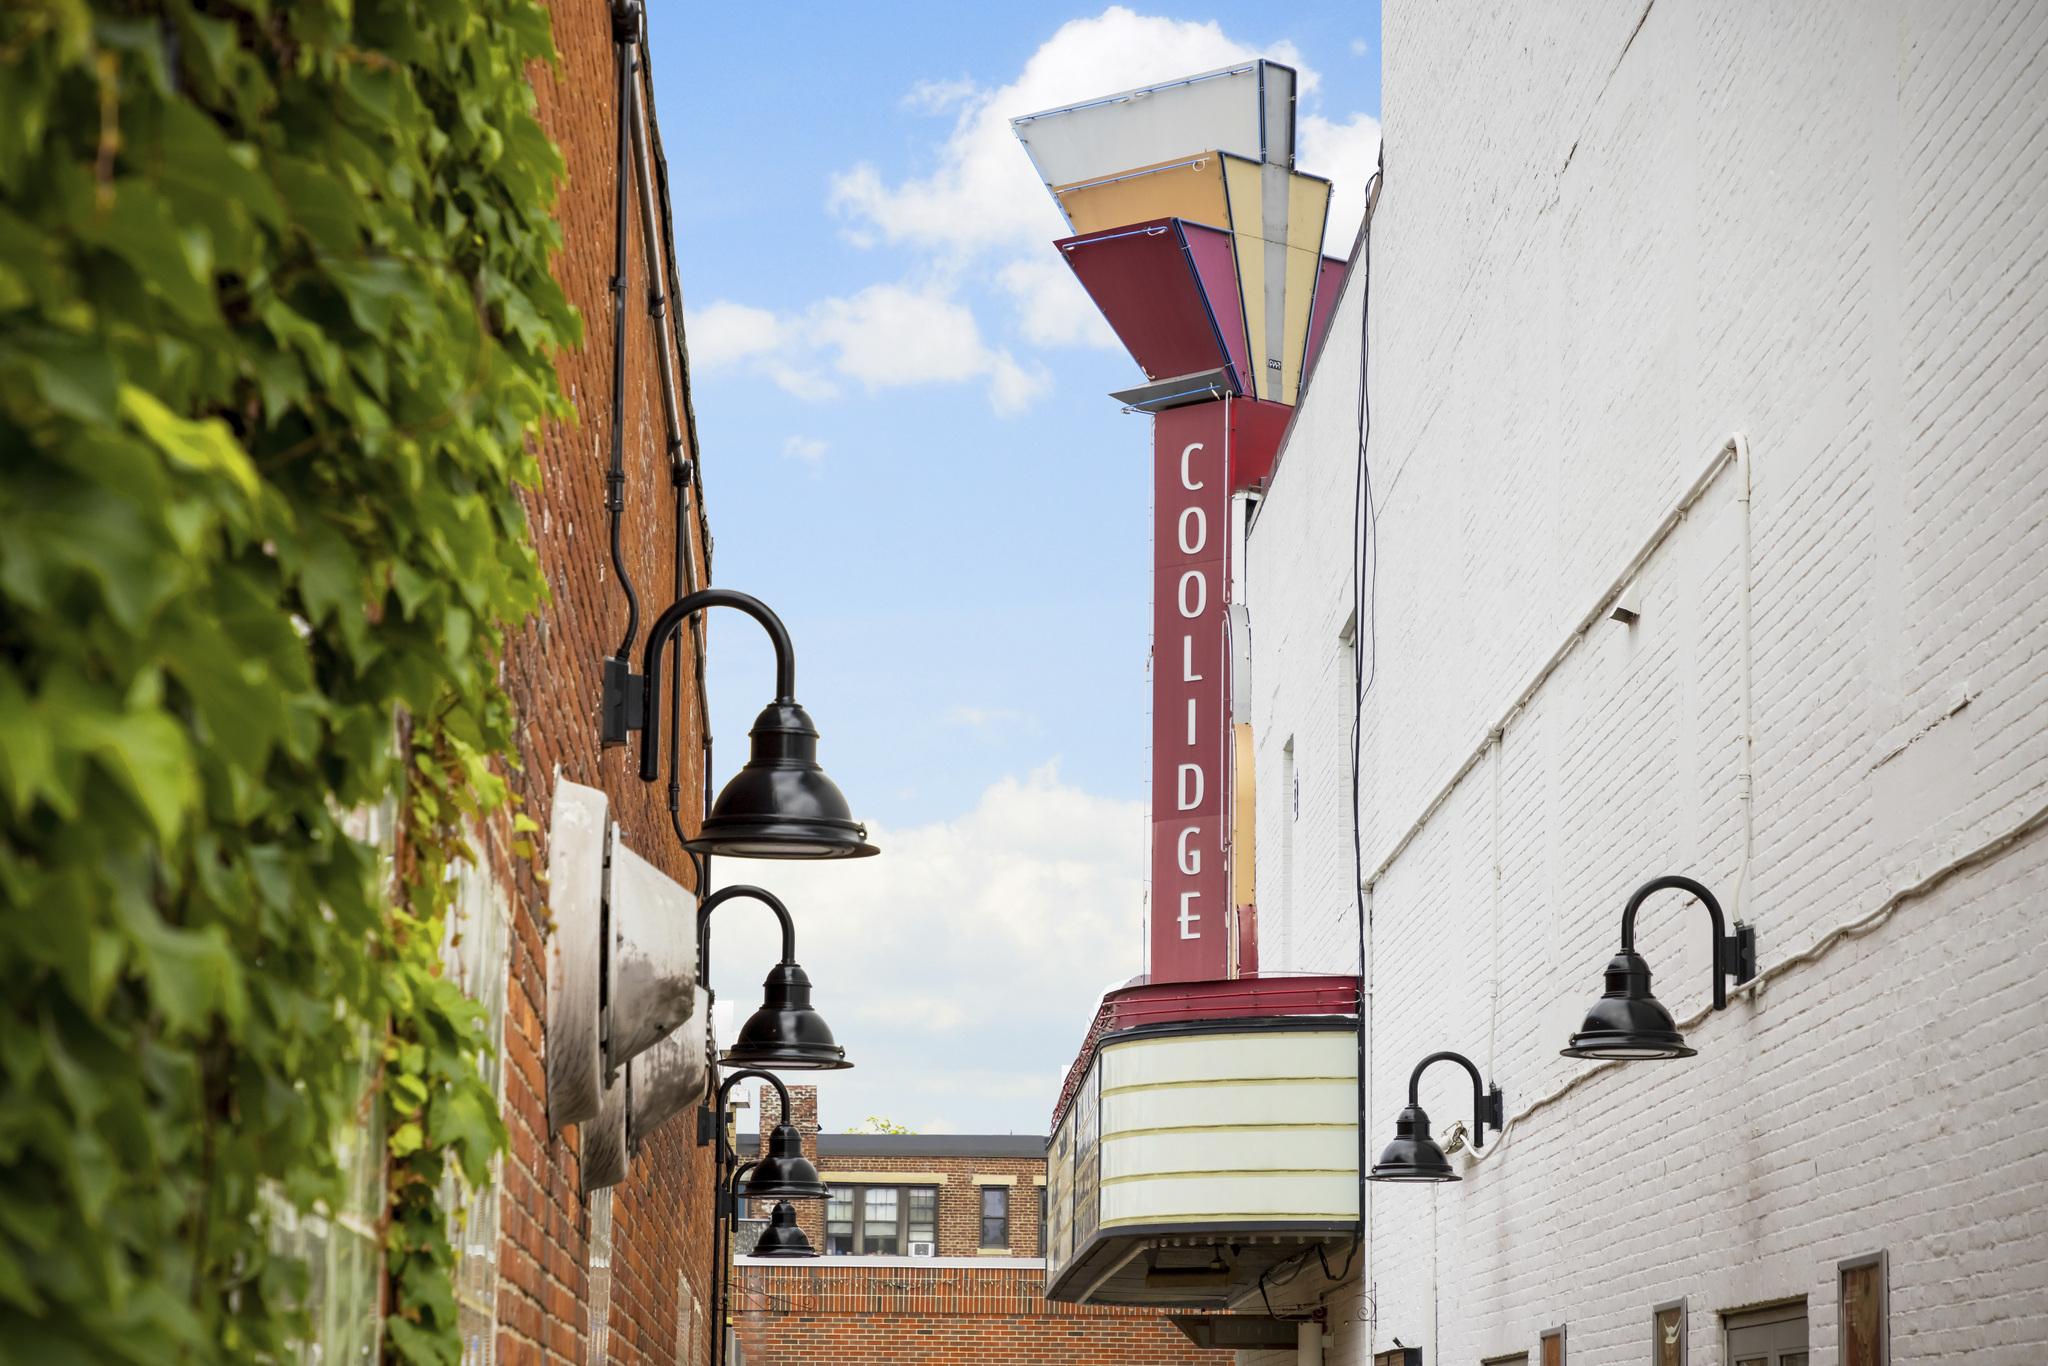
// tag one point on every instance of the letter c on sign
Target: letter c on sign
(1186, 481)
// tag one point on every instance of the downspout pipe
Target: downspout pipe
(1738, 444)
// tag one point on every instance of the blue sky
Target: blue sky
(909, 453)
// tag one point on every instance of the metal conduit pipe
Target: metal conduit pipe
(615, 478)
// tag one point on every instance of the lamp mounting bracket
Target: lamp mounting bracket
(1738, 953)
(624, 701)
(1496, 1109)
(626, 21)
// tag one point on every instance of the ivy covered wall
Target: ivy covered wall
(276, 323)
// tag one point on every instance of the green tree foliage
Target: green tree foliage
(276, 323)
(882, 1124)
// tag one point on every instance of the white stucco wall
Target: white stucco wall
(1611, 235)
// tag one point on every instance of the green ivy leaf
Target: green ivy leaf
(203, 444)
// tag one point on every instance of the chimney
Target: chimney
(804, 1101)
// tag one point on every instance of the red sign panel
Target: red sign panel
(1190, 920)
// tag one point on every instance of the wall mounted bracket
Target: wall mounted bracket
(624, 701)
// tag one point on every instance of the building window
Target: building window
(1667, 1334)
(1553, 1346)
(995, 1216)
(341, 1245)
(882, 1221)
(477, 957)
(1768, 1337)
(1865, 1311)
(1399, 1356)
(839, 1222)
(1044, 1209)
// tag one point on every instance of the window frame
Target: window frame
(1880, 1259)
(857, 1193)
(1544, 1339)
(1004, 1218)
(1657, 1312)
(1762, 1319)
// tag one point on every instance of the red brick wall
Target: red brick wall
(662, 1212)
(840, 1312)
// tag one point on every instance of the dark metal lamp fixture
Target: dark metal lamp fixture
(1414, 1155)
(783, 1172)
(782, 1238)
(1628, 1022)
(781, 804)
(785, 1033)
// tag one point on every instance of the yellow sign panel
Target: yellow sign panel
(1190, 187)
(1276, 218)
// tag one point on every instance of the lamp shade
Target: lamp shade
(782, 1238)
(1413, 1155)
(786, 1033)
(781, 804)
(1628, 1022)
(785, 1173)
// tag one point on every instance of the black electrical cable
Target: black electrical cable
(684, 470)
(1364, 623)
(615, 479)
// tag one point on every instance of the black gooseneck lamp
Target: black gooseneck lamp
(780, 804)
(1414, 1155)
(782, 1237)
(781, 1174)
(785, 1032)
(1628, 1022)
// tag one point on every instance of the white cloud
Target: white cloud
(1360, 47)
(887, 336)
(980, 718)
(939, 97)
(960, 968)
(808, 449)
(982, 193)
(1347, 153)
(1052, 308)
(723, 333)
(799, 382)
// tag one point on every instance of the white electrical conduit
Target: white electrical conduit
(2032, 823)
(1734, 450)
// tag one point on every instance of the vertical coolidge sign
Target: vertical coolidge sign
(1190, 910)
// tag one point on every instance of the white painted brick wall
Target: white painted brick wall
(1610, 235)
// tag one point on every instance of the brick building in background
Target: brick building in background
(933, 1255)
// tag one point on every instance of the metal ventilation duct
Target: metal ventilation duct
(670, 1077)
(575, 951)
(652, 967)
